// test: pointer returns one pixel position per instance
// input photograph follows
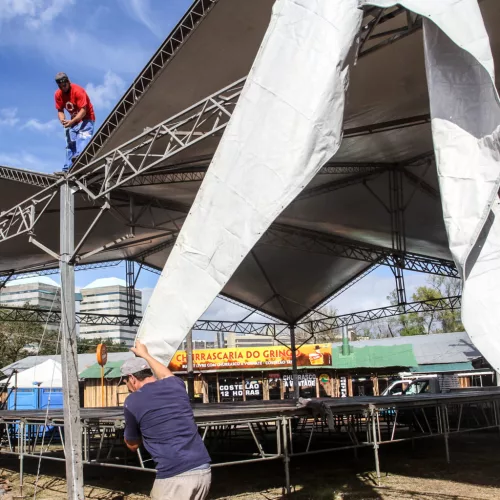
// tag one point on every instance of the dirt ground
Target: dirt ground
(407, 473)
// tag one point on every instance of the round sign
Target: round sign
(102, 354)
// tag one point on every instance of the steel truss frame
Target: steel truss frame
(310, 327)
(316, 242)
(324, 426)
(37, 179)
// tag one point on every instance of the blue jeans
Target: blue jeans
(77, 138)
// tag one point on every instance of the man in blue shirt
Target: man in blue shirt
(158, 414)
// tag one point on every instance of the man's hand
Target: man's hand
(159, 369)
(140, 350)
(66, 123)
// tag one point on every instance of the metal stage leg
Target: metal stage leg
(375, 446)
(190, 372)
(286, 456)
(21, 446)
(69, 358)
(445, 426)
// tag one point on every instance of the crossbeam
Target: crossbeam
(274, 329)
(315, 242)
(326, 324)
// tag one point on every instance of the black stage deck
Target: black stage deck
(272, 409)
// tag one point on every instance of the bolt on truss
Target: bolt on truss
(315, 242)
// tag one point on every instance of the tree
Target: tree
(90, 345)
(430, 321)
(16, 337)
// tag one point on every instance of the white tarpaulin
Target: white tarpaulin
(286, 126)
(465, 113)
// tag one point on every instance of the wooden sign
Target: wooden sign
(102, 354)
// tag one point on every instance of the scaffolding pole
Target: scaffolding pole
(69, 357)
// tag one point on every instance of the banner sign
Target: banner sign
(252, 388)
(253, 357)
(305, 380)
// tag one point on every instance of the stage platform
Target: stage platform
(259, 431)
(289, 408)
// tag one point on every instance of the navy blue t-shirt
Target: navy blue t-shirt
(160, 414)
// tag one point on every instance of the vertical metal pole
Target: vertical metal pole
(69, 357)
(286, 456)
(190, 372)
(445, 424)
(21, 445)
(375, 446)
(295, 374)
(102, 387)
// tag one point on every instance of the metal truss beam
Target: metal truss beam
(28, 273)
(167, 178)
(311, 327)
(339, 184)
(316, 242)
(163, 56)
(197, 174)
(27, 177)
(373, 39)
(326, 324)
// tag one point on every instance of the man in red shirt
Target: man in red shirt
(79, 128)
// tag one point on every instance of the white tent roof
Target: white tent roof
(45, 375)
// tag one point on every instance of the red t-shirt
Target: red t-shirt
(73, 101)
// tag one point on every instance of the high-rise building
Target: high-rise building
(40, 292)
(108, 296)
(251, 340)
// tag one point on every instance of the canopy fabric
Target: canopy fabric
(299, 79)
(262, 163)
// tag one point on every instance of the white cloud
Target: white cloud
(8, 117)
(34, 13)
(141, 10)
(44, 127)
(104, 96)
(27, 161)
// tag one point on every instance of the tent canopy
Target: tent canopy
(45, 375)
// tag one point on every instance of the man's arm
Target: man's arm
(79, 116)
(159, 369)
(61, 116)
(132, 436)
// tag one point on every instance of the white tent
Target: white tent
(45, 375)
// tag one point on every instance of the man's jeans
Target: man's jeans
(77, 138)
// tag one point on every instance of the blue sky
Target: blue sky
(102, 46)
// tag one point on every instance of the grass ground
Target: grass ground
(407, 473)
